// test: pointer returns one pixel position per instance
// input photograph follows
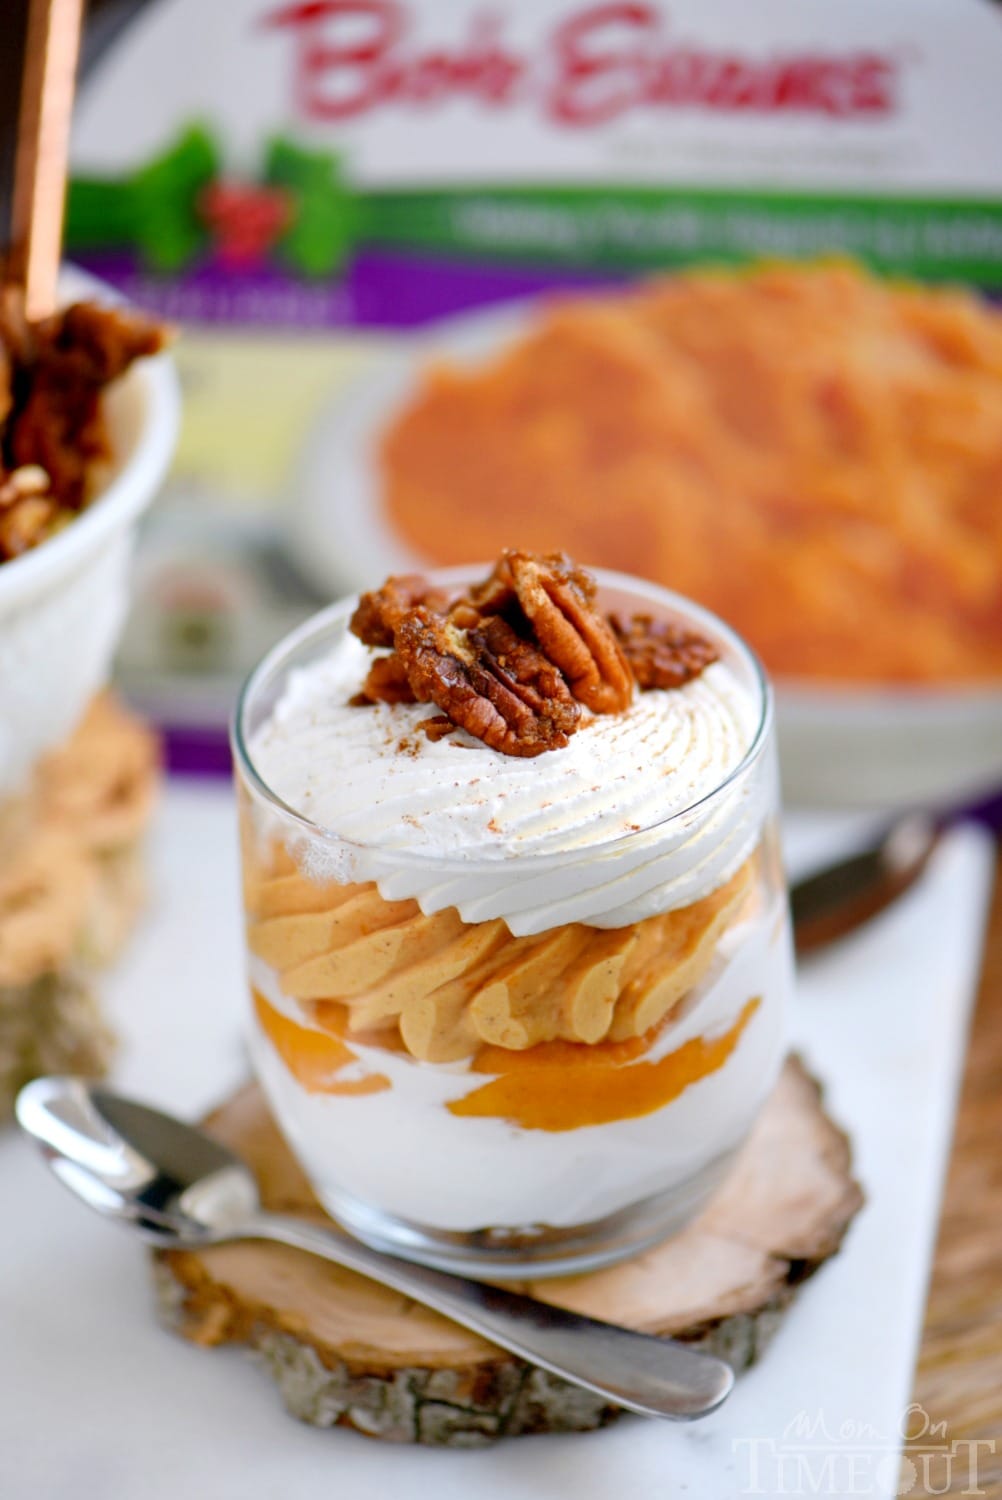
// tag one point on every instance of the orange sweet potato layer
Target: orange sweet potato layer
(554, 1086)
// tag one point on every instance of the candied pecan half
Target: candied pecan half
(386, 682)
(557, 600)
(379, 612)
(487, 680)
(496, 593)
(661, 653)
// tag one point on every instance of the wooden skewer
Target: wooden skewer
(52, 45)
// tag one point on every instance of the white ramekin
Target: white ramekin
(63, 604)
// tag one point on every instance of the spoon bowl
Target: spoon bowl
(131, 1162)
(179, 1188)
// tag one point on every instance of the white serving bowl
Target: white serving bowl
(62, 604)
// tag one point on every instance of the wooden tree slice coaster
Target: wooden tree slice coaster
(345, 1351)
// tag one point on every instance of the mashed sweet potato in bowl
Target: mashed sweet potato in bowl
(812, 452)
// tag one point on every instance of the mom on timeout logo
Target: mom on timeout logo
(594, 64)
(815, 1456)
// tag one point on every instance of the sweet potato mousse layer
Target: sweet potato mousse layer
(554, 1086)
(448, 988)
(549, 1088)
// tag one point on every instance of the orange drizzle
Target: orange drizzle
(563, 1085)
(553, 1086)
(314, 1058)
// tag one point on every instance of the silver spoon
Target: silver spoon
(836, 900)
(181, 1189)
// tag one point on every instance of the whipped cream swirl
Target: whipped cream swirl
(628, 820)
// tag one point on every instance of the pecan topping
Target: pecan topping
(661, 653)
(557, 600)
(375, 621)
(488, 680)
(379, 612)
(512, 659)
(437, 727)
(386, 682)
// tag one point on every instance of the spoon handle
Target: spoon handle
(654, 1376)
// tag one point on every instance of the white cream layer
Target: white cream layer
(403, 1152)
(572, 835)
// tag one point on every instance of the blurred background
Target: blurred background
(359, 216)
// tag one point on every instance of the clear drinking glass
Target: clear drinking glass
(469, 1145)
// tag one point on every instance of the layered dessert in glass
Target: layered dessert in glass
(517, 934)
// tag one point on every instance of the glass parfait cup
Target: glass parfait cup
(506, 1063)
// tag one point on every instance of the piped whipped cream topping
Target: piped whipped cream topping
(618, 825)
